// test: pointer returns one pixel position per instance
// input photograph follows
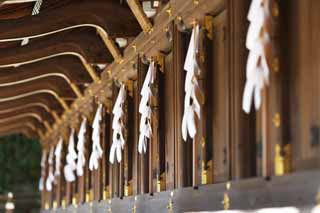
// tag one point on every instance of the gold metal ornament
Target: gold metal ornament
(161, 61)
(226, 201)
(275, 9)
(276, 64)
(169, 11)
(208, 24)
(276, 120)
(279, 161)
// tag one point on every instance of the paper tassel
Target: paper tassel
(43, 169)
(70, 166)
(145, 109)
(81, 148)
(257, 67)
(50, 177)
(117, 126)
(57, 154)
(193, 97)
(35, 11)
(97, 151)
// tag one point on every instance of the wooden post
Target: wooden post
(183, 167)
(144, 158)
(135, 138)
(97, 174)
(242, 131)
(167, 122)
(105, 140)
(82, 185)
(115, 168)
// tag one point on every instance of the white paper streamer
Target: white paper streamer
(192, 103)
(57, 154)
(81, 148)
(43, 169)
(50, 177)
(117, 126)
(35, 11)
(257, 70)
(145, 109)
(97, 151)
(70, 166)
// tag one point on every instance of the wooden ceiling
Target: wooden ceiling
(68, 41)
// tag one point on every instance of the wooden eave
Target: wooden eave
(145, 44)
(116, 20)
(83, 41)
(148, 44)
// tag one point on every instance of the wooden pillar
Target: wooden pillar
(218, 103)
(167, 122)
(82, 180)
(131, 149)
(62, 178)
(135, 155)
(106, 141)
(242, 128)
(143, 158)
(115, 167)
(275, 107)
(124, 163)
(97, 173)
(183, 169)
(87, 172)
(44, 191)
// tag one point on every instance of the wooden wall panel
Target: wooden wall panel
(302, 39)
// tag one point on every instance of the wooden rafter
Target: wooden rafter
(142, 18)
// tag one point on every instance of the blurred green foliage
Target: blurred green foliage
(19, 164)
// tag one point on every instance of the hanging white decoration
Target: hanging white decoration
(257, 70)
(57, 154)
(35, 11)
(81, 148)
(43, 169)
(50, 177)
(97, 151)
(145, 109)
(117, 126)
(193, 97)
(70, 166)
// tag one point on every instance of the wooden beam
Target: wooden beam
(136, 8)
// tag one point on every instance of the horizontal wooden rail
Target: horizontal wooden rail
(257, 193)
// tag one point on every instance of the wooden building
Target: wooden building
(145, 106)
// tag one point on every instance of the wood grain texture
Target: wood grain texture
(84, 12)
